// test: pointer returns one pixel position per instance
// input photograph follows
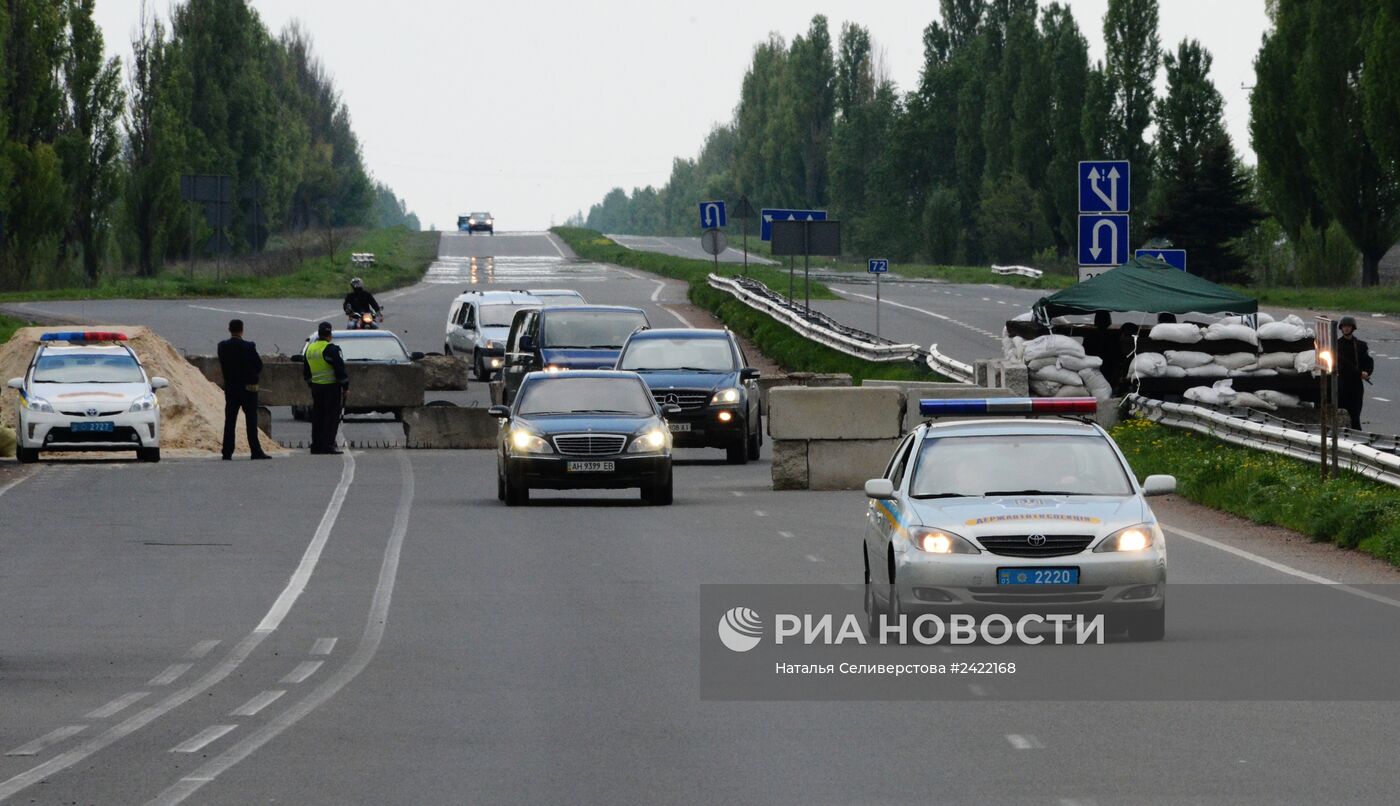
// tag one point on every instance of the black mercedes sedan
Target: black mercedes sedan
(584, 429)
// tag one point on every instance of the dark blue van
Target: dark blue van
(567, 338)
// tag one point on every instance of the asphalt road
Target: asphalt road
(377, 628)
(690, 247)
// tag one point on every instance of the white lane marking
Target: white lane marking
(202, 648)
(323, 646)
(197, 742)
(1078, 802)
(172, 673)
(549, 236)
(788, 535)
(118, 705)
(256, 313)
(47, 740)
(364, 653)
(760, 513)
(682, 319)
(660, 286)
(1281, 568)
(1024, 741)
(977, 690)
(235, 658)
(302, 575)
(908, 307)
(812, 558)
(6, 488)
(259, 702)
(1381, 399)
(303, 670)
(737, 493)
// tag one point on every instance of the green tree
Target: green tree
(810, 94)
(1133, 54)
(1009, 220)
(1067, 60)
(152, 208)
(1380, 83)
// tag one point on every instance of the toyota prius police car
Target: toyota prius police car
(988, 514)
(87, 391)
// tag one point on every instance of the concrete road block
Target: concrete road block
(265, 420)
(449, 427)
(498, 391)
(851, 413)
(790, 464)
(444, 373)
(817, 379)
(281, 384)
(914, 392)
(847, 464)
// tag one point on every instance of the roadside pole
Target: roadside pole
(1325, 340)
(877, 266)
(745, 211)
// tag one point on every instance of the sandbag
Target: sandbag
(1063, 377)
(1188, 358)
(1174, 372)
(1203, 394)
(1284, 331)
(1251, 401)
(1295, 319)
(1223, 332)
(1042, 363)
(1237, 360)
(1096, 383)
(1148, 365)
(1044, 388)
(1276, 360)
(1280, 399)
(1079, 363)
(1208, 371)
(1253, 373)
(1260, 318)
(1073, 391)
(1177, 332)
(1305, 362)
(1052, 345)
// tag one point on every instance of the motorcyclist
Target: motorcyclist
(359, 302)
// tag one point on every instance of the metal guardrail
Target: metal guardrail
(1021, 271)
(1271, 434)
(951, 367)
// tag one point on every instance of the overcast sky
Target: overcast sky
(533, 110)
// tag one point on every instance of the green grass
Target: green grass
(8, 326)
(1351, 511)
(1382, 299)
(777, 341)
(401, 257)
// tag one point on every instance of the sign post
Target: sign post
(1325, 339)
(806, 238)
(1176, 258)
(768, 215)
(877, 267)
(1105, 199)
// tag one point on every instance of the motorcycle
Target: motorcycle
(365, 321)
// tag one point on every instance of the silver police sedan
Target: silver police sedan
(992, 515)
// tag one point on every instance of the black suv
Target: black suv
(706, 373)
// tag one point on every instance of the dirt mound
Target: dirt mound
(191, 409)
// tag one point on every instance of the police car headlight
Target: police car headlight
(649, 441)
(555, 368)
(730, 395)
(39, 404)
(143, 404)
(523, 441)
(938, 541)
(1134, 538)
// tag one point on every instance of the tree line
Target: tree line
(979, 162)
(91, 154)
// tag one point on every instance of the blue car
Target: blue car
(706, 373)
(560, 339)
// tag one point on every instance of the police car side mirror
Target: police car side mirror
(1159, 485)
(749, 374)
(879, 489)
(16, 383)
(502, 412)
(159, 383)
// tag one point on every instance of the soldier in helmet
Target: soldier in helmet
(1354, 365)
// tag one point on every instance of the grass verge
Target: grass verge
(966, 275)
(775, 340)
(401, 259)
(1351, 511)
(8, 326)
(1382, 299)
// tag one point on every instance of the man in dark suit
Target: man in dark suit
(242, 368)
(1354, 366)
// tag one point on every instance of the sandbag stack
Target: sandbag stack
(1230, 348)
(1059, 367)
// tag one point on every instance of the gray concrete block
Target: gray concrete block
(444, 373)
(281, 384)
(847, 464)
(265, 420)
(835, 413)
(946, 391)
(812, 379)
(449, 427)
(498, 391)
(790, 464)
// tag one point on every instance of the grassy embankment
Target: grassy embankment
(1352, 511)
(8, 326)
(777, 341)
(1383, 299)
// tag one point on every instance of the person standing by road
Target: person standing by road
(324, 370)
(242, 369)
(1354, 366)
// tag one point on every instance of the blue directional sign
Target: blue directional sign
(878, 266)
(1103, 240)
(713, 215)
(771, 215)
(1105, 187)
(1176, 257)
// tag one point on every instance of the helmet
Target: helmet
(357, 283)
(1347, 320)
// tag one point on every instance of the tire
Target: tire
(148, 454)
(446, 348)
(27, 456)
(500, 487)
(659, 494)
(517, 495)
(1150, 626)
(738, 453)
(479, 367)
(755, 440)
(872, 607)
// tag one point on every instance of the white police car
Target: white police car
(990, 515)
(87, 391)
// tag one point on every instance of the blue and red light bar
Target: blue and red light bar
(997, 406)
(76, 336)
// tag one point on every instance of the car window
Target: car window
(564, 395)
(499, 314)
(115, 368)
(900, 460)
(596, 329)
(711, 355)
(519, 327)
(469, 316)
(383, 348)
(1019, 463)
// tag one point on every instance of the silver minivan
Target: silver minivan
(478, 324)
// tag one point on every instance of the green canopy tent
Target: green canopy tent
(1144, 285)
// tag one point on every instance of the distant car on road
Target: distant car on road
(478, 324)
(365, 347)
(477, 222)
(706, 373)
(583, 430)
(563, 339)
(87, 391)
(557, 296)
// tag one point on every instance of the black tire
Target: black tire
(755, 440)
(446, 348)
(659, 494)
(27, 456)
(1149, 626)
(479, 367)
(148, 454)
(738, 453)
(517, 494)
(500, 487)
(872, 607)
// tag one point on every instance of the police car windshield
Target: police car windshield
(371, 348)
(1054, 464)
(596, 329)
(584, 396)
(705, 355)
(499, 315)
(87, 369)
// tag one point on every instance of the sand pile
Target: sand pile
(191, 409)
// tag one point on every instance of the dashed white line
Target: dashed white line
(261, 701)
(303, 670)
(788, 535)
(118, 705)
(682, 319)
(978, 690)
(171, 674)
(1077, 802)
(323, 646)
(47, 740)
(1024, 741)
(737, 493)
(1382, 399)
(256, 313)
(197, 742)
(812, 558)
(202, 648)
(549, 236)
(760, 513)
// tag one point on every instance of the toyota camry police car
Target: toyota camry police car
(984, 513)
(87, 391)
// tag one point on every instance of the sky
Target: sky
(533, 110)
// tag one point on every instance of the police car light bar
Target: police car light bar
(982, 407)
(83, 335)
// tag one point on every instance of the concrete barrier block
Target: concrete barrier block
(282, 384)
(847, 464)
(444, 373)
(818, 379)
(834, 413)
(449, 427)
(947, 391)
(498, 393)
(790, 464)
(265, 420)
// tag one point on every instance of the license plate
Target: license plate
(591, 467)
(679, 428)
(80, 428)
(1037, 576)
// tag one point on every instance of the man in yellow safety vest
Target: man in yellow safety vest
(324, 370)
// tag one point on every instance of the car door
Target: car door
(518, 360)
(883, 517)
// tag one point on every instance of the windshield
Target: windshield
(597, 329)
(709, 355)
(560, 297)
(383, 348)
(585, 395)
(1027, 464)
(481, 216)
(116, 368)
(499, 315)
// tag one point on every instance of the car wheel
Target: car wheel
(446, 348)
(659, 494)
(755, 440)
(500, 487)
(738, 453)
(27, 456)
(148, 454)
(1150, 626)
(872, 607)
(517, 494)
(479, 367)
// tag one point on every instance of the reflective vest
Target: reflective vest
(321, 370)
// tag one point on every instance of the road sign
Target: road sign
(1105, 187)
(713, 242)
(878, 266)
(771, 215)
(1103, 240)
(816, 237)
(744, 209)
(1176, 257)
(712, 215)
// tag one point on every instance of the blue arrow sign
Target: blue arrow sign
(713, 215)
(878, 266)
(1103, 240)
(1176, 257)
(1105, 187)
(771, 215)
